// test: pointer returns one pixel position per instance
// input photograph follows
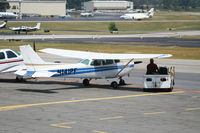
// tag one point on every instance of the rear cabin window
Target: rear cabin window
(17, 52)
(107, 62)
(2, 55)
(117, 61)
(10, 54)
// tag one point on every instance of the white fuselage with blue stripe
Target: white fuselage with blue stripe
(80, 70)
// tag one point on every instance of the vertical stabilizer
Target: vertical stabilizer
(37, 27)
(151, 12)
(29, 55)
(4, 24)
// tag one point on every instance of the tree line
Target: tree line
(145, 4)
(168, 4)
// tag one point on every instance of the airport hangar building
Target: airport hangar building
(40, 7)
(107, 5)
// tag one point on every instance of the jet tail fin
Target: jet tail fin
(151, 12)
(4, 24)
(38, 26)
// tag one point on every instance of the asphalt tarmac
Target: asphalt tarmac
(50, 105)
(150, 41)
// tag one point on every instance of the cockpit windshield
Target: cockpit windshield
(85, 61)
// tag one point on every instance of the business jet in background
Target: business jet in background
(8, 15)
(92, 66)
(25, 28)
(87, 14)
(11, 61)
(3, 25)
(138, 16)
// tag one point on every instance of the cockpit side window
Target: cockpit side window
(86, 61)
(10, 54)
(96, 63)
(2, 55)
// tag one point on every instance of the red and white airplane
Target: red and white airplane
(11, 61)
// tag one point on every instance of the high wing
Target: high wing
(93, 55)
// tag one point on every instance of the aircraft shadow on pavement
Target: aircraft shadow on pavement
(73, 85)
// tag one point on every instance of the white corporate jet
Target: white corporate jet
(92, 66)
(8, 15)
(138, 16)
(25, 28)
(87, 14)
(11, 61)
(4, 24)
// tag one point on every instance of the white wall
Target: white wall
(41, 8)
(44, 8)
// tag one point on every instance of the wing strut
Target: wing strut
(124, 67)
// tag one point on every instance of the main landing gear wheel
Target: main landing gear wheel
(170, 89)
(114, 84)
(122, 82)
(86, 82)
(19, 78)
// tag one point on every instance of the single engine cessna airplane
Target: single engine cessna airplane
(25, 28)
(4, 24)
(138, 16)
(11, 61)
(93, 66)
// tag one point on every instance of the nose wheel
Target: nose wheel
(19, 78)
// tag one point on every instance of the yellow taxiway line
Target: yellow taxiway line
(191, 109)
(154, 113)
(109, 118)
(63, 125)
(96, 131)
(14, 107)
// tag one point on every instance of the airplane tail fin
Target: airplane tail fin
(4, 24)
(29, 55)
(34, 64)
(38, 26)
(151, 12)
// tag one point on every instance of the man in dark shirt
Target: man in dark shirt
(152, 68)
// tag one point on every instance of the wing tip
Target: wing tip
(165, 56)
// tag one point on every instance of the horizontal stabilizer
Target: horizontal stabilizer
(15, 68)
(43, 74)
(21, 72)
